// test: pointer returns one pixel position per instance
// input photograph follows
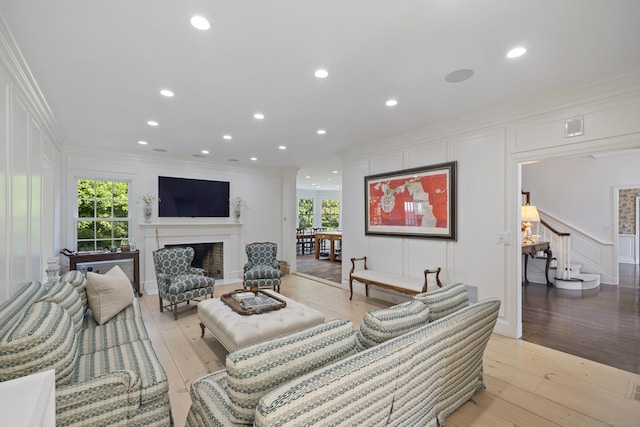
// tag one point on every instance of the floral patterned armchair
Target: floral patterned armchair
(262, 268)
(177, 280)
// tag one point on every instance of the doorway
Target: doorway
(594, 324)
(627, 205)
(318, 250)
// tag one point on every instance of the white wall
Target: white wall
(480, 196)
(29, 176)
(489, 147)
(262, 189)
(580, 190)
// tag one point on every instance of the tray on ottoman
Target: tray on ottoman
(246, 303)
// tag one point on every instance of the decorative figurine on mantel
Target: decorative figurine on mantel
(147, 200)
(236, 205)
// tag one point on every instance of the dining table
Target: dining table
(332, 236)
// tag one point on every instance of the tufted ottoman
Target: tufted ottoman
(234, 330)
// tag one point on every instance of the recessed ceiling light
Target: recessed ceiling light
(200, 22)
(226, 136)
(258, 116)
(205, 151)
(458, 75)
(321, 73)
(516, 52)
(166, 92)
(152, 123)
(391, 103)
(142, 142)
(253, 159)
(321, 131)
(282, 147)
(334, 171)
(313, 183)
(308, 176)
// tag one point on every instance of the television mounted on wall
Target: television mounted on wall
(185, 197)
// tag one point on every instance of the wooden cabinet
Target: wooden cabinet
(88, 257)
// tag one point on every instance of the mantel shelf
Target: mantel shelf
(189, 224)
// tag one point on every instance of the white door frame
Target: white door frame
(636, 255)
(515, 161)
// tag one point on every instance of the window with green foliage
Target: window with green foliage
(103, 214)
(331, 214)
(305, 213)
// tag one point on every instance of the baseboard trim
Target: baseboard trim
(318, 279)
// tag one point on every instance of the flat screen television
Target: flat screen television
(184, 197)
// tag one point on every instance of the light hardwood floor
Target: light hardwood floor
(527, 385)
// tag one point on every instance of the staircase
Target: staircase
(564, 273)
(577, 280)
(567, 274)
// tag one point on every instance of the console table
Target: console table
(80, 257)
(531, 249)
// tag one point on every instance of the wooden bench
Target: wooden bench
(395, 282)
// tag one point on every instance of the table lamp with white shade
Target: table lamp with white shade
(528, 214)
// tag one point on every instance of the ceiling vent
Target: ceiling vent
(574, 127)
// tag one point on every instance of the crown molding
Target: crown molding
(612, 88)
(13, 62)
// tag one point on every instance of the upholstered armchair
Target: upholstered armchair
(262, 268)
(177, 280)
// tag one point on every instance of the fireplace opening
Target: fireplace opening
(208, 256)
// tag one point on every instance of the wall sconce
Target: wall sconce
(528, 214)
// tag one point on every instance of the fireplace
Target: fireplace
(225, 235)
(208, 256)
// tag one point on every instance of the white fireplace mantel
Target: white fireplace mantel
(159, 234)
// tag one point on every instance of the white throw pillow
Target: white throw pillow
(108, 293)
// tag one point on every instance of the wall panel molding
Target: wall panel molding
(26, 134)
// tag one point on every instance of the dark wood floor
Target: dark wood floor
(602, 325)
(322, 268)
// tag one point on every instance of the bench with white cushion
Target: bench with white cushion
(404, 284)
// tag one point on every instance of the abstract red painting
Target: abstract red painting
(417, 202)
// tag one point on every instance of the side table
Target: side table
(531, 249)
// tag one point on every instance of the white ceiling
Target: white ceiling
(101, 64)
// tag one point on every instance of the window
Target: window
(103, 214)
(305, 213)
(331, 214)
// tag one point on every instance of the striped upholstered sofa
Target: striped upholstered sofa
(106, 375)
(408, 365)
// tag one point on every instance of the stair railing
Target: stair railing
(559, 243)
